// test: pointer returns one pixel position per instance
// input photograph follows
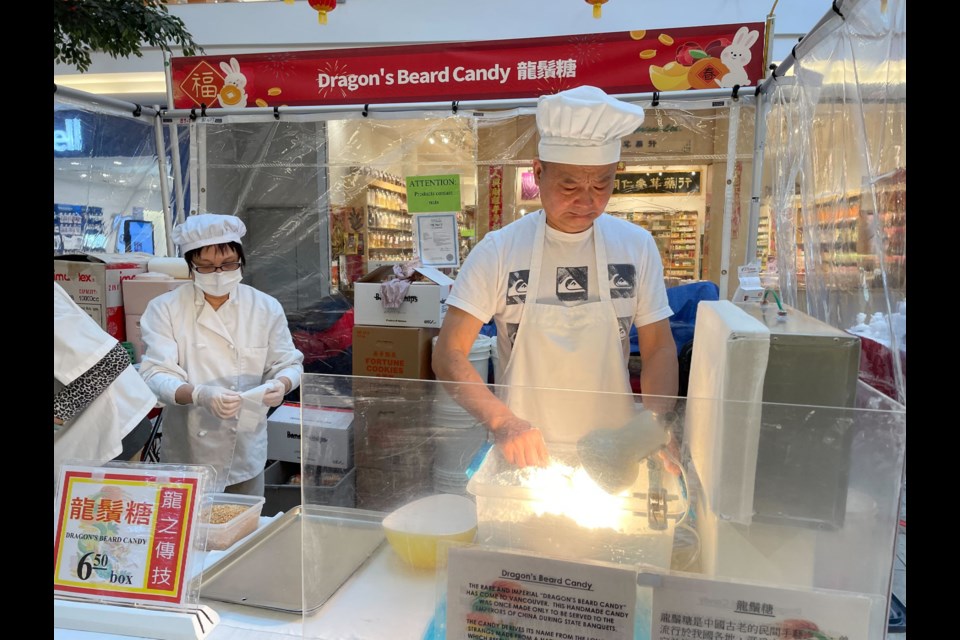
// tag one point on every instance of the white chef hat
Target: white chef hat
(206, 229)
(584, 126)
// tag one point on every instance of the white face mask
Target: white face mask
(219, 283)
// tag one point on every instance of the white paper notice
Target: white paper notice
(684, 607)
(507, 595)
(436, 238)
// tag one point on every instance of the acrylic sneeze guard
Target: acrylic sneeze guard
(411, 440)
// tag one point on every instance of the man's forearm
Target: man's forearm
(659, 377)
(477, 399)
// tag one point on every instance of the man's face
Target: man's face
(573, 196)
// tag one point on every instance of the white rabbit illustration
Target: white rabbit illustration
(736, 56)
(233, 94)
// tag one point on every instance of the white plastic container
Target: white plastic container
(554, 511)
(222, 536)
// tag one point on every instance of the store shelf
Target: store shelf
(848, 238)
(389, 186)
(366, 226)
(677, 237)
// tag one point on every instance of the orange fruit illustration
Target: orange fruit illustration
(705, 72)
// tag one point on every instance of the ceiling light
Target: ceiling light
(75, 163)
(83, 175)
(431, 140)
(117, 162)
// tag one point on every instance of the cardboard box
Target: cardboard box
(93, 281)
(328, 487)
(330, 432)
(387, 352)
(134, 336)
(139, 291)
(424, 305)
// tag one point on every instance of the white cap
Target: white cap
(584, 126)
(206, 229)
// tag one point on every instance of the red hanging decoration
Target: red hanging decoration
(323, 6)
(596, 6)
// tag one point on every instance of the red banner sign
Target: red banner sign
(710, 57)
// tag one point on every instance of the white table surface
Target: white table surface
(385, 599)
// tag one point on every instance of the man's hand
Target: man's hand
(521, 443)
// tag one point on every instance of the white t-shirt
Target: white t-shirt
(493, 280)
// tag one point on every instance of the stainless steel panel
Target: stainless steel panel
(266, 570)
(804, 452)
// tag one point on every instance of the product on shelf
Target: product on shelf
(375, 224)
(678, 239)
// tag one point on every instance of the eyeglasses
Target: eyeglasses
(226, 266)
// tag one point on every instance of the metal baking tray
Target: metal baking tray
(265, 570)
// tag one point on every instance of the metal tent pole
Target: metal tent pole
(129, 108)
(174, 145)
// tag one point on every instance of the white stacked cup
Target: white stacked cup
(458, 434)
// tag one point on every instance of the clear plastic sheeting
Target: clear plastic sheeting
(106, 181)
(325, 202)
(412, 441)
(835, 184)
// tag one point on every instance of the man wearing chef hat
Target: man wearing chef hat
(218, 354)
(563, 284)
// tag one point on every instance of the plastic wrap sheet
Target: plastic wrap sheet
(835, 181)
(105, 173)
(413, 440)
(323, 196)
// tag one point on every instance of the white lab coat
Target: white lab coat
(95, 434)
(186, 341)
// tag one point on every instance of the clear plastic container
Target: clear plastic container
(223, 535)
(554, 511)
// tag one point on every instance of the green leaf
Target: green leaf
(119, 28)
(697, 54)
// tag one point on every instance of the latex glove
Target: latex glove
(273, 396)
(221, 402)
(521, 443)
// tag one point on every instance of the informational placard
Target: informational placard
(656, 183)
(506, 595)
(435, 239)
(691, 608)
(124, 534)
(495, 194)
(428, 194)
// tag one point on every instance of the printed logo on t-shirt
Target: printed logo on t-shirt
(625, 328)
(517, 286)
(572, 284)
(623, 280)
(512, 331)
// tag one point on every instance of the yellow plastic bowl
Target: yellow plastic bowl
(415, 529)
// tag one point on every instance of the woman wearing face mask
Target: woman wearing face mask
(218, 355)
